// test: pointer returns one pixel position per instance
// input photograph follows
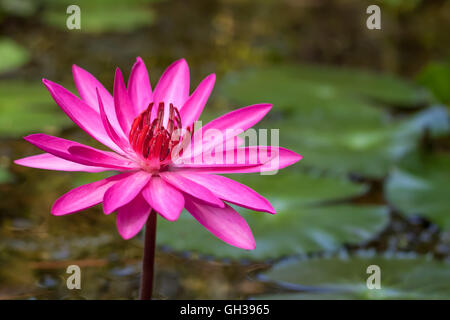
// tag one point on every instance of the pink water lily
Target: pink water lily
(138, 125)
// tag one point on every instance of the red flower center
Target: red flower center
(151, 139)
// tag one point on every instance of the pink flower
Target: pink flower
(143, 128)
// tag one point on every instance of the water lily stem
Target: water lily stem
(148, 262)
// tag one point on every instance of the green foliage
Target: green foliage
(421, 188)
(28, 108)
(299, 226)
(402, 277)
(436, 77)
(22, 8)
(99, 16)
(5, 175)
(300, 86)
(399, 5)
(332, 116)
(12, 55)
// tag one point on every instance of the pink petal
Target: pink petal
(117, 137)
(132, 217)
(225, 223)
(163, 198)
(228, 125)
(191, 188)
(240, 119)
(232, 191)
(125, 110)
(124, 191)
(87, 85)
(77, 152)
(258, 159)
(139, 87)
(51, 162)
(80, 113)
(193, 107)
(172, 87)
(84, 196)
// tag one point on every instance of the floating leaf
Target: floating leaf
(12, 55)
(421, 188)
(22, 8)
(27, 108)
(289, 85)
(5, 175)
(402, 277)
(296, 228)
(342, 147)
(120, 16)
(329, 118)
(301, 188)
(435, 120)
(81, 178)
(436, 77)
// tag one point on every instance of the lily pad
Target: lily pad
(120, 16)
(301, 188)
(328, 115)
(402, 277)
(436, 77)
(421, 188)
(80, 178)
(27, 108)
(21, 8)
(435, 120)
(5, 175)
(12, 55)
(300, 85)
(367, 149)
(298, 226)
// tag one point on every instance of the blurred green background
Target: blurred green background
(368, 110)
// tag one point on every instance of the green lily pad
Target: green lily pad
(298, 226)
(436, 120)
(81, 178)
(401, 277)
(421, 188)
(300, 85)
(120, 16)
(436, 77)
(21, 8)
(12, 55)
(328, 115)
(27, 108)
(303, 189)
(5, 175)
(367, 149)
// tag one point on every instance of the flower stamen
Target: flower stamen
(154, 141)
